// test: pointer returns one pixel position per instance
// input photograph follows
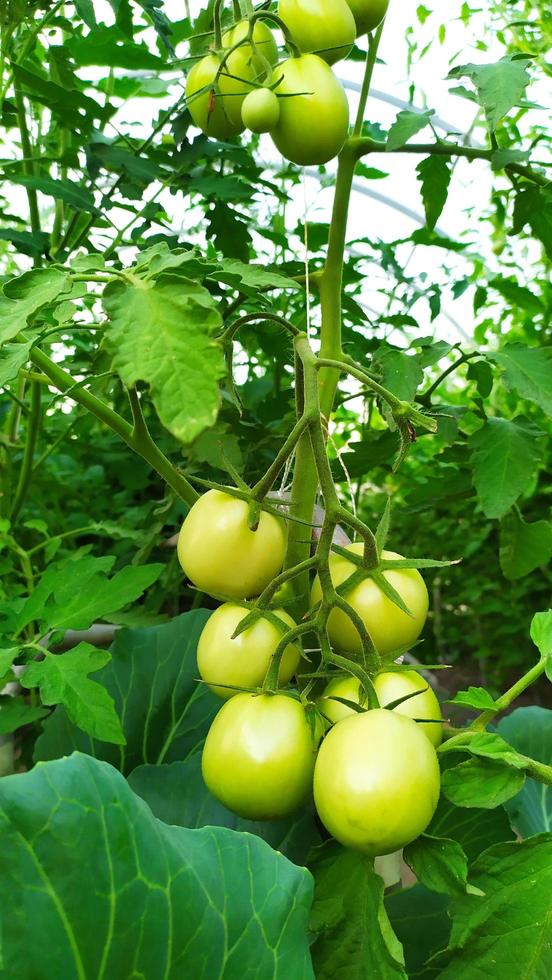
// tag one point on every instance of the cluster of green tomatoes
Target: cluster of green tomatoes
(373, 772)
(300, 102)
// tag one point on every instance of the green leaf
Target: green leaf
(474, 829)
(250, 279)
(523, 546)
(15, 712)
(406, 125)
(400, 372)
(63, 679)
(12, 358)
(529, 730)
(541, 632)
(177, 795)
(481, 372)
(520, 297)
(106, 46)
(164, 712)
(23, 297)
(62, 190)
(354, 938)
(481, 783)
(474, 697)
(29, 244)
(434, 173)
(527, 370)
(75, 109)
(499, 86)
(509, 932)
(505, 458)
(97, 886)
(58, 605)
(419, 918)
(163, 334)
(533, 206)
(440, 864)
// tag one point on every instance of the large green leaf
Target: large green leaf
(499, 86)
(481, 783)
(528, 370)
(505, 457)
(21, 298)
(354, 938)
(508, 933)
(162, 333)
(523, 546)
(529, 730)
(164, 712)
(177, 795)
(93, 885)
(420, 919)
(61, 190)
(406, 125)
(63, 679)
(440, 864)
(474, 829)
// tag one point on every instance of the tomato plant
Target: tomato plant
(261, 321)
(376, 781)
(259, 756)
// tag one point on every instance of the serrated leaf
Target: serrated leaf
(406, 125)
(434, 173)
(63, 679)
(97, 886)
(103, 47)
(499, 86)
(522, 298)
(505, 458)
(250, 279)
(474, 697)
(61, 190)
(162, 333)
(541, 632)
(533, 206)
(523, 546)
(12, 358)
(353, 935)
(440, 864)
(23, 297)
(481, 783)
(165, 713)
(474, 829)
(509, 933)
(481, 372)
(400, 372)
(527, 370)
(529, 730)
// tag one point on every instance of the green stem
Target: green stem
(361, 675)
(371, 55)
(137, 437)
(31, 437)
(28, 166)
(264, 485)
(509, 696)
(425, 397)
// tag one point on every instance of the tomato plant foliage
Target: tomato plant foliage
(267, 470)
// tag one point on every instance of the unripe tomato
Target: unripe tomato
(244, 661)
(390, 685)
(313, 126)
(214, 112)
(368, 14)
(259, 755)
(324, 27)
(244, 62)
(376, 781)
(260, 110)
(221, 555)
(389, 627)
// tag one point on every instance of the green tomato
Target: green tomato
(221, 555)
(214, 112)
(390, 685)
(376, 782)
(244, 62)
(260, 110)
(313, 125)
(368, 14)
(259, 756)
(243, 661)
(325, 27)
(389, 627)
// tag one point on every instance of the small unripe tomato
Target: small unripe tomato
(259, 756)
(368, 14)
(243, 661)
(389, 627)
(314, 112)
(390, 685)
(260, 110)
(221, 555)
(376, 782)
(323, 27)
